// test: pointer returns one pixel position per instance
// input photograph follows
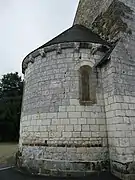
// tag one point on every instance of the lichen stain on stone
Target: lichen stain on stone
(88, 10)
(109, 24)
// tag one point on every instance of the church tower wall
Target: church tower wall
(117, 22)
(120, 98)
(58, 136)
(88, 10)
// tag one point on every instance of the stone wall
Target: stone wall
(88, 10)
(96, 16)
(57, 133)
(116, 22)
(119, 93)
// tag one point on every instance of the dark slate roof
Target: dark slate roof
(77, 33)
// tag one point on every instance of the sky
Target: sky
(28, 24)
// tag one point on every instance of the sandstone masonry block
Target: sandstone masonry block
(81, 120)
(77, 127)
(66, 134)
(74, 102)
(69, 128)
(70, 108)
(74, 114)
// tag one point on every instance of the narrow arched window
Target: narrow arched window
(86, 89)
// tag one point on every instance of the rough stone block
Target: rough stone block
(70, 108)
(52, 128)
(81, 120)
(80, 108)
(85, 134)
(94, 127)
(73, 121)
(62, 115)
(55, 121)
(85, 128)
(69, 128)
(64, 121)
(103, 128)
(95, 134)
(66, 134)
(46, 122)
(74, 114)
(86, 114)
(77, 127)
(76, 134)
(62, 108)
(55, 134)
(124, 142)
(60, 128)
(51, 115)
(74, 102)
(90, 121)
(120, 113)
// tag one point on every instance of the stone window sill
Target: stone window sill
(86, 103)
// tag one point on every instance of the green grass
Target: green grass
(7, 153)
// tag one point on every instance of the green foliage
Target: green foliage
(11, 89)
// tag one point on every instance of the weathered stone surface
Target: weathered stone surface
(56, 131)
(112, 21)
(106, 17)
(88, 10)
(110, 28)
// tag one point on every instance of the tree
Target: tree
(11, 89)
